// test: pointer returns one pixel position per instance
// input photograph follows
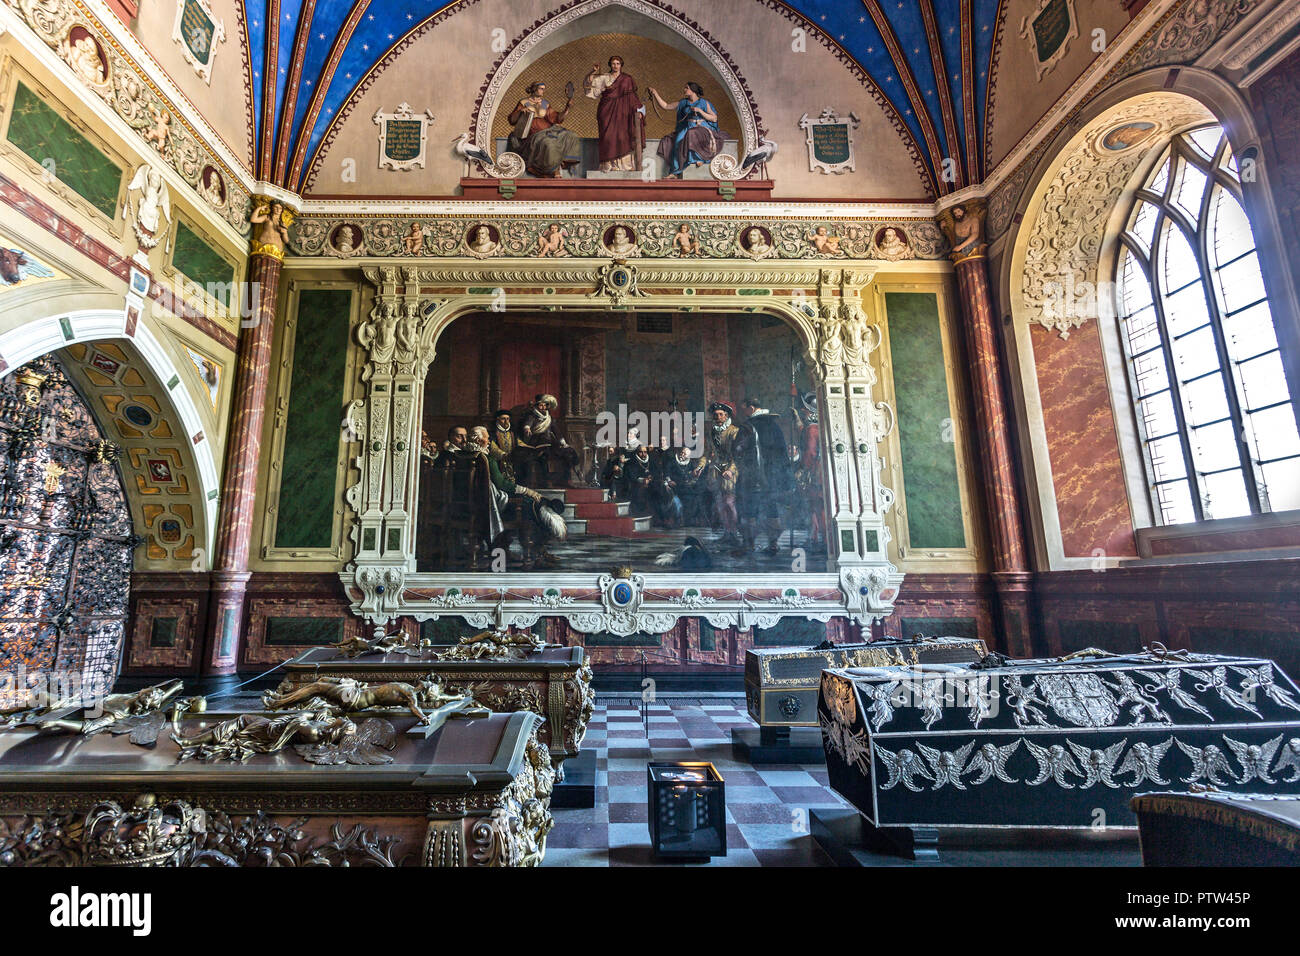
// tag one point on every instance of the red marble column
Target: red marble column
(230, 574)
(1011, 576)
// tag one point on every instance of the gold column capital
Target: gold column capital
(270, 220)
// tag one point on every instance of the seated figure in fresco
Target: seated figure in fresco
(541, 442)
(547, 147)
(695, 138)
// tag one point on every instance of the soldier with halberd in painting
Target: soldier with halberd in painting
(766, 480)
(540, 442)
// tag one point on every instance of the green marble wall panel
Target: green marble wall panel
(925, 428)
(203, 265)
(282, 631)
(38, 130)
(312, 435)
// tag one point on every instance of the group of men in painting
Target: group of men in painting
(742, 478)
(742, 483)
(503, 470)
(538, 133)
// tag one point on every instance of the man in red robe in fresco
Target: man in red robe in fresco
(620, 116)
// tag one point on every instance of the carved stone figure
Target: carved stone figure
(550, 242)
(148, 206)
(893, 245)
(271, 233)
(964, 226)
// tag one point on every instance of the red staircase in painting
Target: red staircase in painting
(587, 512)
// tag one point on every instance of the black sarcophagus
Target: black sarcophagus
(781, 682)
(1054, 743)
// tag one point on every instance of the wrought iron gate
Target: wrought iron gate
(66, 542)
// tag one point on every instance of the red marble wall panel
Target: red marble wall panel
(1091, 497)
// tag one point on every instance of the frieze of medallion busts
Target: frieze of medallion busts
(548, 237)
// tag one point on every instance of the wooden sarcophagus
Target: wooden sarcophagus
(205, 792)
(552, 681)
(1058, 743)
(781, 682)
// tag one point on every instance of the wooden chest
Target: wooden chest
(475, 792)
(781, 682)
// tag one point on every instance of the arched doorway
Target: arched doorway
(66, 539)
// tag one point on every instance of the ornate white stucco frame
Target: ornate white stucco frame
(415, 300)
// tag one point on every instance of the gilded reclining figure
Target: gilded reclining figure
(350, 696)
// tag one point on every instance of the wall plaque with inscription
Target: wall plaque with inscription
(1050, 29)
(198, 32)
(402, 137)
(830, 141)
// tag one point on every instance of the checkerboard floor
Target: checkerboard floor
(767, 806)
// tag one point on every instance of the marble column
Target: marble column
(1012, 579)
(229, 578)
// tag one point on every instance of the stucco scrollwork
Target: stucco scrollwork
(1062, 247)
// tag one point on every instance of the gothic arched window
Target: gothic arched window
(1206, 378)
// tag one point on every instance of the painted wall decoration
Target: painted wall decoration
(198, 32)
(196, 259)
(591, 493)
(403, 134)
(162, 124)
(644, 236)
(20, 268)
(1049, 29)
(672, 469)
(829, 138)
(305, 508)
(926, 431)
(209, 371)
(63, 151)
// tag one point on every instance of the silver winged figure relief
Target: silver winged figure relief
(948, 765)
(1218, 681)
(365, 747)
(1208, 763)
(1290, 760)
(991, 761)
(1262, 678)
(1143, 761)
(882, 703)
(1098, 765)
(902, 767)
(1054, 763)
(1170, 682)
(1255, 759)
(932, 701)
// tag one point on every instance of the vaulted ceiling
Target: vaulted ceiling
(929, 58)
